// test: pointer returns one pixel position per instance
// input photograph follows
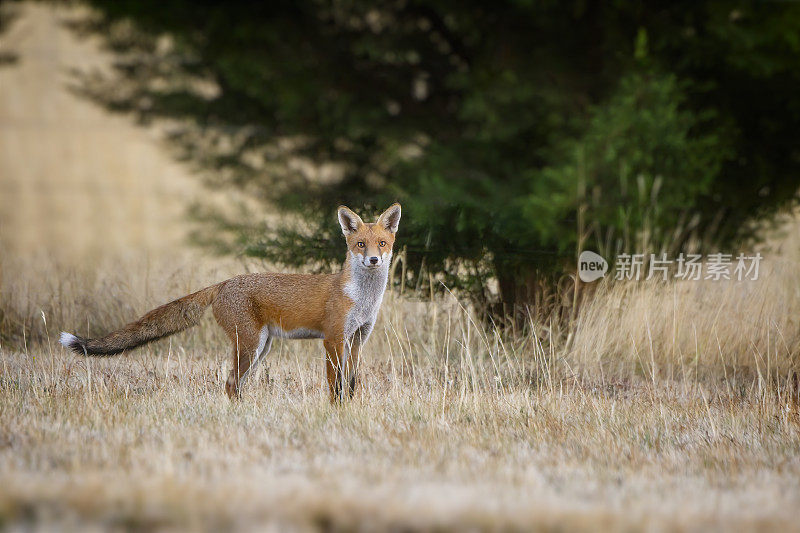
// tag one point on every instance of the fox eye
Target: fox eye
(382, 244)
(361, 244)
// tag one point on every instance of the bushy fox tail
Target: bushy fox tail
(159, 323)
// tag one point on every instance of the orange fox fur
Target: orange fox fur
(253, 309)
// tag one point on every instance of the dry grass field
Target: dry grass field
(457, 426)
(660, 407)
(633, 425)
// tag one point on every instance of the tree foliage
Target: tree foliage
(512, 132)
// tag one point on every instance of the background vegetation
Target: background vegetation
(513, 132)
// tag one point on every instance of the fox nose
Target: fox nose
(373, 260)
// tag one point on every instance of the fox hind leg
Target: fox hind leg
(263, 348)
(246, 350)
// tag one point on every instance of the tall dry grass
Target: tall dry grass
(715, 330)
(661, 406)
(728, 333)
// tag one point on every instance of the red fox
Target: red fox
(253, 309)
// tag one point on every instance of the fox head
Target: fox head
(370, 245)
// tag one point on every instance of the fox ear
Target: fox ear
(390, 219)
(349, 221)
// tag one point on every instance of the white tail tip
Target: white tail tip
(67, 339)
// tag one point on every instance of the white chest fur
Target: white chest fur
(365, 287)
